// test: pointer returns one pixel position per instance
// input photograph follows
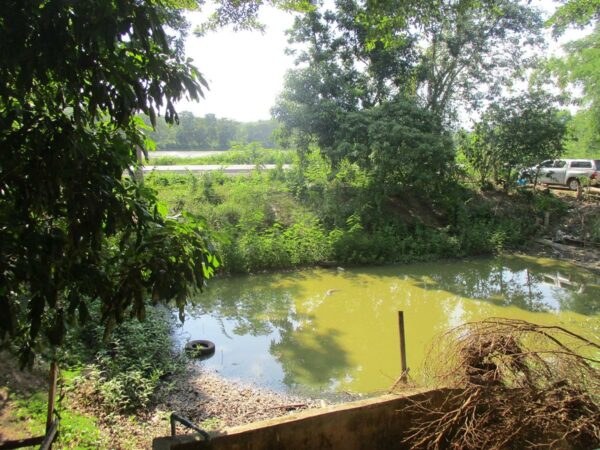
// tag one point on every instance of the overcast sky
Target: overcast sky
(245, 70)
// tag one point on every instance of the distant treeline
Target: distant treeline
(210, 133)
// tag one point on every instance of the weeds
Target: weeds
(124, 373)
(76, 430)
(282, 221)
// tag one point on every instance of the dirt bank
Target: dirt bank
(573, 236)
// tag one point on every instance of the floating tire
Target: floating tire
(200, 348)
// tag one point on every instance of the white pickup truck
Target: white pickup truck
(567, 172)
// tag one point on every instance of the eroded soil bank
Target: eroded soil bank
(575, 236)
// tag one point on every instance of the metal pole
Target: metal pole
(403, 376)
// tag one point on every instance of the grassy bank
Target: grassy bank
(275, 220)
(109, 389)
(119, 393)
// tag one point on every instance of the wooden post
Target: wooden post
(546, 219)
(51, 394)
(403, 367)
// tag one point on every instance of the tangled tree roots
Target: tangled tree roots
(517, 385)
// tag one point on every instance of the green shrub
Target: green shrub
(125, 391)
(124, 372)
(314, 216)
(546, 202)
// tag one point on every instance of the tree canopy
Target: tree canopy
(361, 63)
(210, 133)
(74, 229)
(514, 133)
(574, 13)
(579, 67)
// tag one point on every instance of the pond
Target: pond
(335, 330)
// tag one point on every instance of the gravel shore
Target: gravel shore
(206, 398)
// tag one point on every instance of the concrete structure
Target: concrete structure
(232, 169)
(184, 153)
(377, 423)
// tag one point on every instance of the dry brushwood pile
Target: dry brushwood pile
(517, 385)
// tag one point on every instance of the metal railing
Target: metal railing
(188, 424)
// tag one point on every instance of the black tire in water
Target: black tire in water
(200, 347)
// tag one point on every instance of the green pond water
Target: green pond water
(332, 330)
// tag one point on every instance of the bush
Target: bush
(316, 216)
(594, 230)
(262, 226)
(125, 371)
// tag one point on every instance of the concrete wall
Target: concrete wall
(377, 423)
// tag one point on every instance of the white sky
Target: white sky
(245, 70)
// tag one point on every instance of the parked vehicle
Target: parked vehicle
(565, 172)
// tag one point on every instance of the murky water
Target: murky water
(336, 330)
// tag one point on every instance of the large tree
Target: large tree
(577, 73)
(367, 63)
(339, 73)
(435, 57)
(515, 132)
(580, 67)
(447, 54)
(73, 229)
(473, 50)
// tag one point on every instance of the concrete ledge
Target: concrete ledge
(376, 423)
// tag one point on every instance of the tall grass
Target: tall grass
(238, 155)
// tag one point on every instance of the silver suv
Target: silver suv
(567, 172)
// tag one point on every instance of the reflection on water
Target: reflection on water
(336, 330)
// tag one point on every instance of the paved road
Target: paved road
(184, 153)
(232, 169)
